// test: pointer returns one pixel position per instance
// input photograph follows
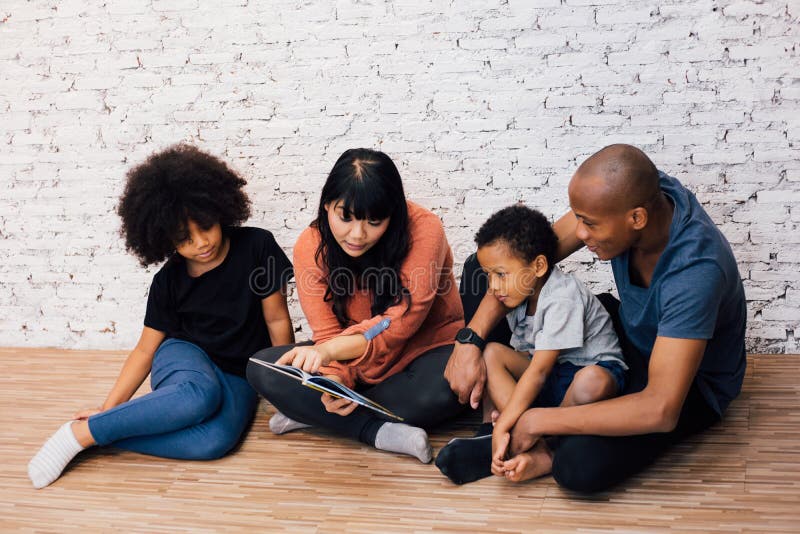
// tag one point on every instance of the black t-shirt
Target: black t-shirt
(220, 310)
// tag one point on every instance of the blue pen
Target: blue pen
(377, 329)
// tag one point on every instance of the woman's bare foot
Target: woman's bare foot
(531, 464)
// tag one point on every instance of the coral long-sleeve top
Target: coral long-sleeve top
(434, 317)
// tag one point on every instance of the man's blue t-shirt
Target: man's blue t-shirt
(695, 293)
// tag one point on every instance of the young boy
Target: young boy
(564, 350)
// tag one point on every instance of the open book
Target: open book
(326, 385)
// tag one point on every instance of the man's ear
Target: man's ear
(638, 218)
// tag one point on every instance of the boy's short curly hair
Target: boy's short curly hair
(526, 232)
(169, 188)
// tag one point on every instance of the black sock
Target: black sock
(466, 459)
(485, 429)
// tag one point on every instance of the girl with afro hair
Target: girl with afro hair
(219, 298)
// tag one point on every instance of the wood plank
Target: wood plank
(742, 475)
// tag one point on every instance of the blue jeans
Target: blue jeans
(195, 411)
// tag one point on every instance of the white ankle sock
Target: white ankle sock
(405, 439)
(53, 457)
(280, 424)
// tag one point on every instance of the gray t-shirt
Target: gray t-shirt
(568, 318)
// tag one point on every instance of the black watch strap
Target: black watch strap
(468, 335)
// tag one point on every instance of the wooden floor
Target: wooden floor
(743, 475)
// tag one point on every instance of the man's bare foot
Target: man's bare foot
(531, 464)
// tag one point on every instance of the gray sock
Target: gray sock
(280, 424)
(405, 439)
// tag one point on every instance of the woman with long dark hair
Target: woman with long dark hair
(374, 279)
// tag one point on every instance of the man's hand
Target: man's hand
(466, 373)
(524, 435)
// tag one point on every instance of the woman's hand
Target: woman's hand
(338, 406)
(307, 358)
(86, 413)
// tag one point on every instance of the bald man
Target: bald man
(681, 319)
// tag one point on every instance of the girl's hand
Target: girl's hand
(309, 359)
(338, 406)
(86, 413)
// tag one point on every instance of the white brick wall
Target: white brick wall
(481, 103)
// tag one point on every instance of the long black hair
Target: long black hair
(368, 185)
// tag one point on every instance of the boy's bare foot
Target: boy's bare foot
(531, 464)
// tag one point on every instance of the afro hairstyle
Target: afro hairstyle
(169, 188)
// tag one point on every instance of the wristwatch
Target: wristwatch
(467, 335)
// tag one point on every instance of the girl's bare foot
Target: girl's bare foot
(81, 430)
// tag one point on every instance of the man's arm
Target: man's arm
(673, 366)
(565, 231)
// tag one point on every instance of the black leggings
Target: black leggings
(595, 463)
(419, 394)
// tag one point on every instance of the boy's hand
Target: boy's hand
(499, 449)
(307, 358)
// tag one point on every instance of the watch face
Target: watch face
(464, 335)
